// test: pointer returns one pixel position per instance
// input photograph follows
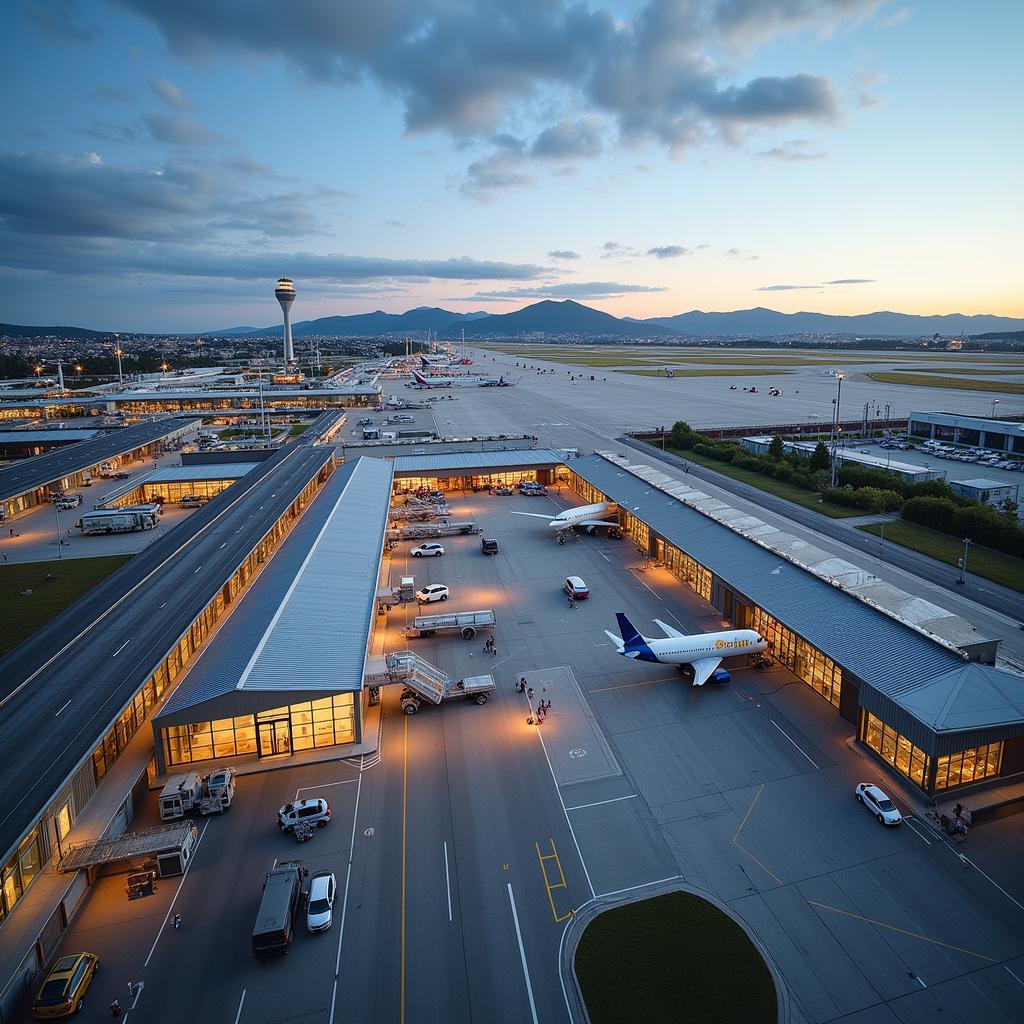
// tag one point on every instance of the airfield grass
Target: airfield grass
(299, 428)
(981, 561)
(781, 489)
(672, 958)
(975, 371)
(1002, 387)
(22, 616)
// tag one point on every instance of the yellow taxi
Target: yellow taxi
(63, 992)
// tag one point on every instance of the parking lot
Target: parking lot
(471, 836)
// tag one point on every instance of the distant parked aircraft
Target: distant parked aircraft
(419, 381)
(588, 516)
(703, 652)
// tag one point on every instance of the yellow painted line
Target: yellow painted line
(550, 886)
(646, 682)
(743, 848)
(405, 804)
(902, 931)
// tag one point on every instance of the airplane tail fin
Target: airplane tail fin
(630, 634)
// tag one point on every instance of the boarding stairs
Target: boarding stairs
(409, 669)
(128, 846)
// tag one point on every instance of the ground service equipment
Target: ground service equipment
(190, 791)
(476, 688)
(275, 922)
(466, 623)
(488, 545)
(117, 520)
(416, 531)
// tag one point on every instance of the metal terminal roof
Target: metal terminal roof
(127, 846)
(209, 471)
(20, 477)
(968, 697)
(406, 465)
(42, 436)
(304, 624)
(862, 639)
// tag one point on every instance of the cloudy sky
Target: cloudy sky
(162, 163)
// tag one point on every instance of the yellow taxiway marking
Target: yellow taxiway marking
(645, 682)
(902, 931)
(548, 884)
(735, 838)
(405, 804)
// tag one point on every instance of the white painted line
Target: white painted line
(641, 582)
(447, 881)
(334, 996)
(324, 785)
(344, 902)
(139, 986)
(198, 568)
(794, 744)
(122, 647)
(62, 707)
(970, 863)
(917, 979)
(600, 803)
(177, 892)
(1012, 975)
(224, 545)
(241, 1003)
(926, 842)
(522, 954)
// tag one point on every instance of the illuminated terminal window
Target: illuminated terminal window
(685, 568)
(907, 759)
(814, 668)
(319, 723)
(638, 532)
(586, 490)
(968, 765)
(19, 871)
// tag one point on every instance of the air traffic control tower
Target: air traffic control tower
(285, 293)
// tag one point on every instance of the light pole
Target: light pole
(164, 367)
(963, 563)
(120, 373)
(835, 426)
(60, 542)
(995, 402)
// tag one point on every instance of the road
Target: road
(72, 696)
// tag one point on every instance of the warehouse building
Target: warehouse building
(970, 431)
(912, 696)
(462, 471)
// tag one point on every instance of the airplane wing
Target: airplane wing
(702, 670)
(669, 630)
(535, 515)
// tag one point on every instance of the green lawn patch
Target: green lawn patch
(670, 959)
(992, 565)
(299, 428)
(1003, 387)
(797, 495)
(21, 616)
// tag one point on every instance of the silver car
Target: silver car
(878, 803)
(320, 908)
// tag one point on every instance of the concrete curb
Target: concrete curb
(592, 908)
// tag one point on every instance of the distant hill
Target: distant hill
(19, 331)
(566, 317)
(363, 324)
(769, 323)
(1000, 336)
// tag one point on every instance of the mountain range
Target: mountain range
(573, 318)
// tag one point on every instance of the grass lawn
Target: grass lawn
(670, 959)
(1003, 387)
(797, 495)
(20, 616)
(299, 428)
(992, 565)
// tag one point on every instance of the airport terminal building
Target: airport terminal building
(971, 431)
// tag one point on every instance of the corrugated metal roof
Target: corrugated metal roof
(862, 639)
(212, 471)
(967, 697)
(305, 622)
(38, 436)
(418, 464)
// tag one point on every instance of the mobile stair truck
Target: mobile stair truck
(468, 624)
(419, 531)
(190, 791)
(422, 681)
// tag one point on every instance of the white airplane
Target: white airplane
(588, 516)
(459, 382)
(703, 652)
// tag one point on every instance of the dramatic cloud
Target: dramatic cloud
(503, 169)
(564, 254)
(171, 94)
(569, 290)
(178, 130)
(667, 252)
(795, 150)
(469, 68)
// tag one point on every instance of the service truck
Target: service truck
(468, 624)
(275, 920)
(190, 791)
(419, 688)
(119, 520)
(417, 531)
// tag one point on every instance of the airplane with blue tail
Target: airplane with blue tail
(703, 652)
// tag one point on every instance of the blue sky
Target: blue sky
(164, 163)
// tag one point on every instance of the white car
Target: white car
(316, 811)
(878, 803)
(433, 592)
(320, 908)
(427, 550)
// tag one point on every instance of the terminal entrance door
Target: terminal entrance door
(275, 737)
